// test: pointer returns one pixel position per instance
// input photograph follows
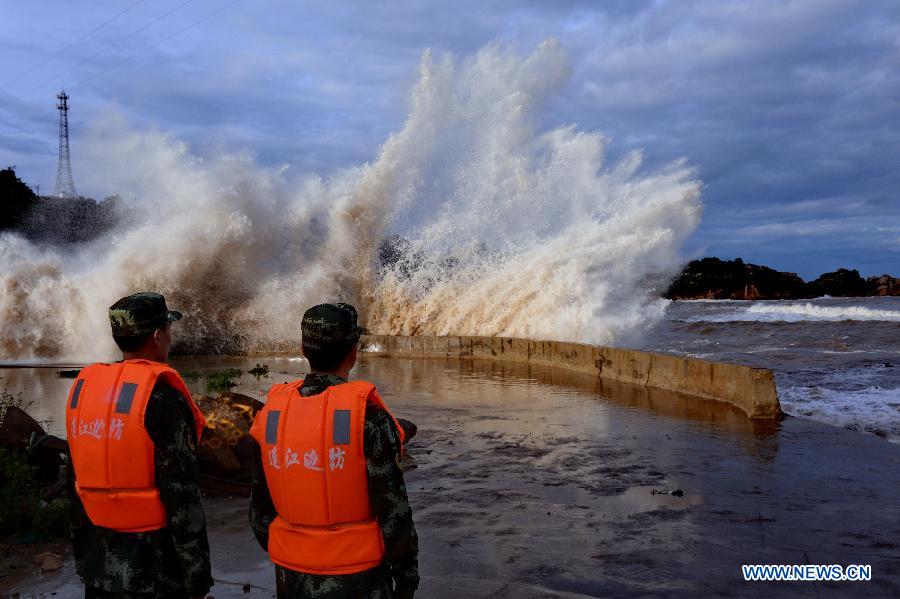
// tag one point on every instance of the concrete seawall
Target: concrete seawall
(752, 390)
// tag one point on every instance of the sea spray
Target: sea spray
(497, 228)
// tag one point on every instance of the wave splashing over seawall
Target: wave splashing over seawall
(497, 229)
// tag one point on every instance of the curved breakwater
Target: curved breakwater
(751, 390)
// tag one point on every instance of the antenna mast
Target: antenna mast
(65, 187)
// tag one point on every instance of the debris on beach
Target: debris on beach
(675, 493)
(48, 561)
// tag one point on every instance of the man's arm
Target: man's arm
(389, 501)
(262, 509)
(170, 423)
(80, 526)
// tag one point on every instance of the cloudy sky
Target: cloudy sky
(789, 110)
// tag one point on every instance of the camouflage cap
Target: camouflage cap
(328, 325)
(140, 314)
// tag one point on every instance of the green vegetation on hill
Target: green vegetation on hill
(712, 278)
(16, 200)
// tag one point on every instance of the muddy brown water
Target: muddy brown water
(528, 481)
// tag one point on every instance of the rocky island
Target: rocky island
(712, 278)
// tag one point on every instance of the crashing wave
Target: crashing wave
(508, 230)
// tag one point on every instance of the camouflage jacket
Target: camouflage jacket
(398, 576)
(170, 562)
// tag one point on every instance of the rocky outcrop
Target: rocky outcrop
(712, 278)
(840, 283)
(226, 448)
(19, 432)
(883, 285)
(33, 502)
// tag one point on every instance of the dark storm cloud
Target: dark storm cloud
(789, 110)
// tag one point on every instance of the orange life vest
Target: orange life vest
(315, 466)
(112, 454)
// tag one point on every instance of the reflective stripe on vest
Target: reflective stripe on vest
(112, 454)
(315, 467)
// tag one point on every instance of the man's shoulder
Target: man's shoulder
(380, 432)
(167, 406)
(377, 415)
(165, 392)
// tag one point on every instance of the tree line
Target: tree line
(50, 219)
(712, 278)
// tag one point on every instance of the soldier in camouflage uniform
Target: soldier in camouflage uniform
(172, 562)
(333, 327)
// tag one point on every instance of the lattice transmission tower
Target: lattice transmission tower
(65, 187)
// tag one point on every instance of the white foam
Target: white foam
(873, 410)
(512, 231)
(793, 312)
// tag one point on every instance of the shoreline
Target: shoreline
(529, 481)
(785, 299)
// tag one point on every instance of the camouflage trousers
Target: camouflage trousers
(372, 584)
(95, 593)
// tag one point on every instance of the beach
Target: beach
(528, 481)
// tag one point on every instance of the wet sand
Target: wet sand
(532, 482)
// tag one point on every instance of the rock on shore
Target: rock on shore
(226, 448)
